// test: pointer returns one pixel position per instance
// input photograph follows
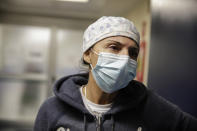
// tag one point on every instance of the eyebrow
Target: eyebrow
(120, 44)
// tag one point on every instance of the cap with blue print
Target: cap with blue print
(108, 26)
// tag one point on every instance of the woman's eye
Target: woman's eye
(114, 47)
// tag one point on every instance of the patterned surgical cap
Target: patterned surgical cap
(108, 26)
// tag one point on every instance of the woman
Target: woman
(107, 98)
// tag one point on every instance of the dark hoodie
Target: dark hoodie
(136, 108)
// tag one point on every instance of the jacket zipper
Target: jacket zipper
(98, 120)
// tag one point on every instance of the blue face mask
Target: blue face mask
(113, 72)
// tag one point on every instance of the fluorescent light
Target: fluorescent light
(80, 1)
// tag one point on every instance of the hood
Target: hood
(67, 90)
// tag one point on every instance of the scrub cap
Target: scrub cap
(108, 26)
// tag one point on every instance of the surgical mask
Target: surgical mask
(113, 72)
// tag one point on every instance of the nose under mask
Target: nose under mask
(113, 72)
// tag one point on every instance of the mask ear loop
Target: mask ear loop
(92, 50)
(94, 53)
(91, 66)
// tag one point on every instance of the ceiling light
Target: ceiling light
(80, 1)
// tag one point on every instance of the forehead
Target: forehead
(125, 41)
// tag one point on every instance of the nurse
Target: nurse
(107, 98)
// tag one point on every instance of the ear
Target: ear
(86, 56)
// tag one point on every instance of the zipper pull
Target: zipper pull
(98, 122)
(139, 128)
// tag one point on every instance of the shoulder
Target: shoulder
(49, 113)
(159, 112)
(46, 108)
(51, 105)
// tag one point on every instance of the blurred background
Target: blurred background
(41, 41)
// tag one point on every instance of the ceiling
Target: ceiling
(53, 8)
